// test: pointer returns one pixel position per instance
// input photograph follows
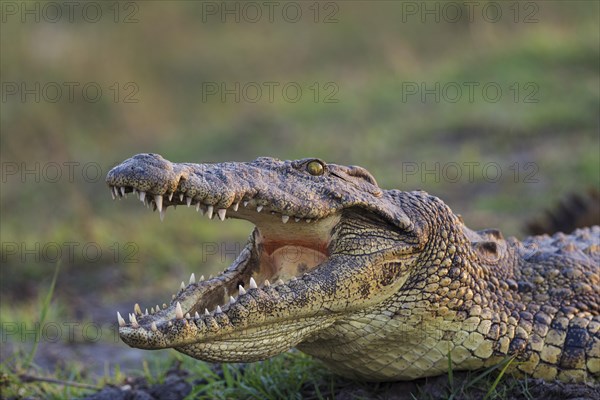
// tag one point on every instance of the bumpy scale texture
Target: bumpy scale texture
(384, 286)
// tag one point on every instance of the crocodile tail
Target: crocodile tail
(578, 210)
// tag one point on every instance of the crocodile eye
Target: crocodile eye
(315, 168)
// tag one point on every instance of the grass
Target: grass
(43, 313)
(20, 377)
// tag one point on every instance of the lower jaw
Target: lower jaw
(256, 343)
(254, 267)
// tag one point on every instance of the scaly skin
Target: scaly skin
(379, 284)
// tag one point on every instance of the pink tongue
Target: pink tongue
(295, 260)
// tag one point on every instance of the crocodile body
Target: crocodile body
(379, 284)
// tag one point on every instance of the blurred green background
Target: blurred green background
(378, 87)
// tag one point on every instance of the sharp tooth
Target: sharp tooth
(123, 191)
(115, 191)
(296, 219)
(151, 310)
(245, 203)
(170, 323)
(218, 310)
(158, 200)
(201, 278)
(209, 212)
(170, 196)
(120, 319)
(182, 287)
(153, 326)
(308, 220)
(162, 214)
(279, 282)
(236, 206)
(196, 315)
(112, 194)
(222, 212)
(172, 297)
(133, 321)
(285, 219)
(231, 299)
(146, 312)
(137, 309)
(188, 201)
(192, 278)
(164, 306)
(267, 283)
(180, 196)
(241, 290)
(143, 197)
(259, 208)
(188, 316)
(206, 311)
(252, 283)
(178, 311)
(135, 191)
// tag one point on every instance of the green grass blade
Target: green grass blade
(450, 376)
(498, 378)
(43, 312)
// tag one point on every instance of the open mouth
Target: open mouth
(283, 247)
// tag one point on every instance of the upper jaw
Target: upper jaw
(220, 190)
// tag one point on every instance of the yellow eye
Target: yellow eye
(315, 168)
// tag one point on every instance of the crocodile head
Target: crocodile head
(304, 268)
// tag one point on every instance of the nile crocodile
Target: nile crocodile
(378, 284)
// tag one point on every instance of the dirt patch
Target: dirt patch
(175, 386)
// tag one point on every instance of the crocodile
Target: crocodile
(575, 211)
(381, 285)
